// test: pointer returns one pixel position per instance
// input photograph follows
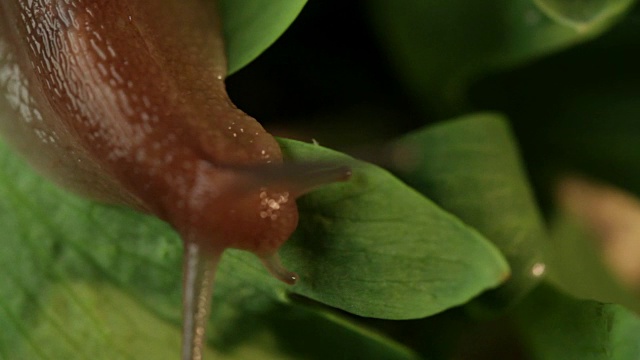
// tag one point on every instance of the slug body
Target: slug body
(124, 101)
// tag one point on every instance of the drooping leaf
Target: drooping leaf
(471, 167)
(556, 326)
(251, 26)
(577, 111)
(440, 47)
(581, 13)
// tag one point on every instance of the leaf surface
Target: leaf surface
(471, 167)
(251, 26)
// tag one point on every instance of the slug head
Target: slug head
(250, 208)
(227, 207)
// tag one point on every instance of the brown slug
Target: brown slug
(124, 101)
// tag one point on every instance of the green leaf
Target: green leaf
(555, 326)
(583, 14)
(440, 47)
(251, 26)
(97, 321)
(112, 324)
(384, 250)
(471, 167)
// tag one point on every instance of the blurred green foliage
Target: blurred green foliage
(473, 225)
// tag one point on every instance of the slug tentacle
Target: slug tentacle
(297, 178)
(273, 264)
(199, 274)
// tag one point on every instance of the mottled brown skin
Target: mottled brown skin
(137, 90)
(124, 101)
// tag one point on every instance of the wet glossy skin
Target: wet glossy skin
(131, 95)
(124, 101)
